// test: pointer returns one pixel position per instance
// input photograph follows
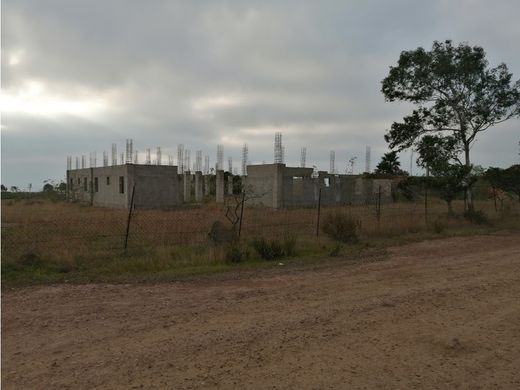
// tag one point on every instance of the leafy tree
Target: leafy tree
(507, 180)
(457, 96)
(511, 181)
(61, 187)
(437, 155)
(389, 164)
(4, 188)
(48, 187)
(14, 189)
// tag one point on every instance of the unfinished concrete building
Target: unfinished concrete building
(156, 186)
(269, 185)
(279, 186)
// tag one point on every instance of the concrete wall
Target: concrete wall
(155, 186)
(106, 192)
(278, 186)
(269, 185)
(260, 184)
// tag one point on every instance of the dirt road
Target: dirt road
(440, 314)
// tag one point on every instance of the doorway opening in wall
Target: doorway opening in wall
(297, 185)
(326, 181)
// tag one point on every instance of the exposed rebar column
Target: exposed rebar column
(77, 162)
(83, 161)
(122, 159)
(114, 154)
(206, 165)
(332, 168)
(158, 156)
(129, 151)
(278, 151)
(187, 160)
(245, 156)
(230, 164)
(220, 158)
(69, 163)
(180, 158)
(105, 158)
(198, 161)
(148, 160)
(303, 157)
(136, 157)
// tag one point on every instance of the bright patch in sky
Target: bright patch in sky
(34, 99)
(206, 103)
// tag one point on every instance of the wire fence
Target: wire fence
(71, 229)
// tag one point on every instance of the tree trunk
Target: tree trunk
(469, 192)
(450, 208)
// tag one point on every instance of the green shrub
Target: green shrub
(235, 254)
(477, 217)
(438, 226)
(289, 246)
(274, 249)
(341, 227)
(336, 250)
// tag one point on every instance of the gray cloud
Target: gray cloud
(206, 72)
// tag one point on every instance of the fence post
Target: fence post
(129, 217)
(241, 214)
(426, 203)
(379, 204)
(495, 198)
(319, 211)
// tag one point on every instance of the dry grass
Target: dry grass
(69, 237)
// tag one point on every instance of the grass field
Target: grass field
(46, 241)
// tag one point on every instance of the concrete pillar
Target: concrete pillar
(337, 189)
(198, 186)
(206, 185)
(220, 186)
(187, 187)
(180, 186)
(278, 186)
(230, 184)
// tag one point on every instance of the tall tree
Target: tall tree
(457, 96)
(389, 164)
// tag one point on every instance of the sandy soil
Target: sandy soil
(439, 314)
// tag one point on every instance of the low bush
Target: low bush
(477, 217)
(274, 249)
(336, 250)
(438, 226)
(235, 254)
(289, 246)
(341, 227)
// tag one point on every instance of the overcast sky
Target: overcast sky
(78, 76)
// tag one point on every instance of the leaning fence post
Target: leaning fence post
(319, 211)
(241, 214)
(129, 217)
(379, 204)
